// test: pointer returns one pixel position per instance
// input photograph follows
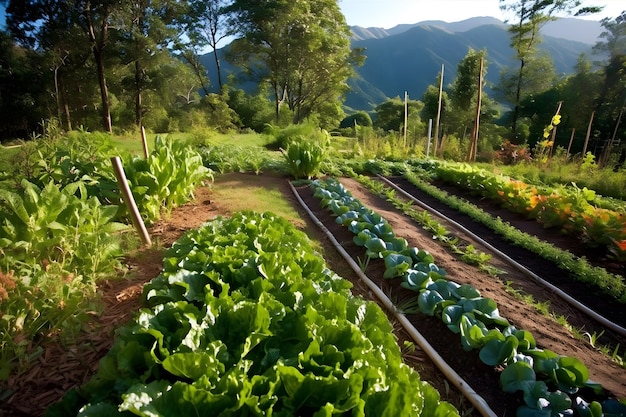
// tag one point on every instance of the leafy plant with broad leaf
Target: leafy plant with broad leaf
(246, 319)
(167, 178)
(304, 157)
(55, 244)
(476, 319)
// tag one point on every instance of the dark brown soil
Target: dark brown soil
(484, 380)
(63, 366)
(589, 296)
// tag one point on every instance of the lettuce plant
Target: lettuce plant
(246, 319)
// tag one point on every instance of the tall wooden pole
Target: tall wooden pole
(571, 139)
(144, 143)
(438, 113)
(471, 156)
(588, 134)
(406, 114)
(430, 131)
(128, 198)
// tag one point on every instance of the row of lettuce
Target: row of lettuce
(247, 319)
(550, 384)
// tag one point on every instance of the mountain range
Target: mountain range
(409, 57)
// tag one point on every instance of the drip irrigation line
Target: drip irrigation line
(467, 391)
(566, 297)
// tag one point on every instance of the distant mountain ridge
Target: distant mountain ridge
(579, 30)
(409, 57)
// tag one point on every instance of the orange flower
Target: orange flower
(7, 282)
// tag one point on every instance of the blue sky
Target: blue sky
(389, 13)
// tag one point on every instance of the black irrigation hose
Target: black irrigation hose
(566, 297)
(467, 391)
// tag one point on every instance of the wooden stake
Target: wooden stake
(430, 131)
(144, 142)
(471, 156)
(571, 139)
(588, 134)
(438, 114)
(127, 195)
(406, 114)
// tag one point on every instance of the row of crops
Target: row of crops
(597, 221)
(64, 227)
(421, 173)
(550, 384)
(246, 319)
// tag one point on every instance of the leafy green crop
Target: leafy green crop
(465, 312)
(166, 179)
(57, 226)
(304, 157)
(54, 247)
(246, 319)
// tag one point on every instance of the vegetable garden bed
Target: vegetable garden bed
(483, 379)
(205, 208)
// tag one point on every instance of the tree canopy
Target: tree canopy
(301, 48)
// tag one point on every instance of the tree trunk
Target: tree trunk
(138, 87)
(438, 113)
(104, 92)
(218, 65)
(518, 97)
(97, 47)
(68, 117)
(57, 94)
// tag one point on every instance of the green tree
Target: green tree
(301, 48)
(20, 86)
(206, 25)
(431, 104)
(360, 118)
(578, 93)
(390, 114)
(37, 23)
(463, 92)
(147, 28)
(254, 111)
(529, 17)
(610, 122)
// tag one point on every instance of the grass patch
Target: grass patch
(254, 193)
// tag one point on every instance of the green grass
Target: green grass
(6, 154)
(254, 193)
(131, 142)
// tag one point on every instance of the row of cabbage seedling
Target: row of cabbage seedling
(247, 319)
(550, 383)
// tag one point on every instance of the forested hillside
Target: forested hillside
(118, 66)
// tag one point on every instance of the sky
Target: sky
(389, 13)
